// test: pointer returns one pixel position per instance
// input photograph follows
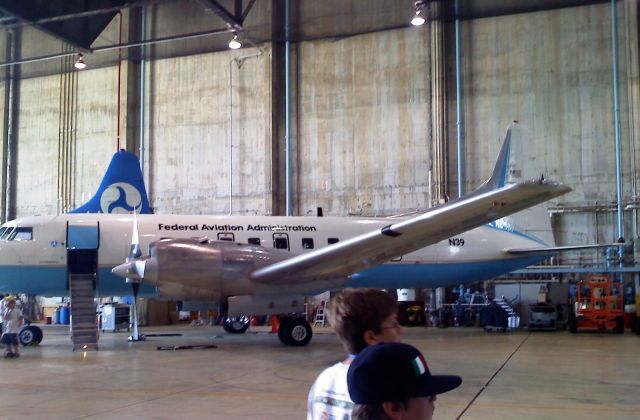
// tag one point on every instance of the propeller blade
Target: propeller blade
(131, 270)
(134, 251)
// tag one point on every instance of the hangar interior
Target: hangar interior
(341, 105)
(359, 113)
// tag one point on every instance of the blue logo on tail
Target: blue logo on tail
(121, 190)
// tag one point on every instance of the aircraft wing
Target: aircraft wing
(356, 254)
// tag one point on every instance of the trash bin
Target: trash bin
(65, 315)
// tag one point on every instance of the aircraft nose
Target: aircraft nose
(8, 255)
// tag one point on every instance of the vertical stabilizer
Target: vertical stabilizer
(505, 170)
(500, 174)
(121, 190)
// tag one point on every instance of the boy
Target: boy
(12, 323)
(392, 381)
(360, 318)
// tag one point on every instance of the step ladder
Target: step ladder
(84, 329)
(319, 319)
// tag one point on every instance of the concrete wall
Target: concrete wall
(93, 136)
(191, 130)
(552, 71)
(363, 142)
(37, 151)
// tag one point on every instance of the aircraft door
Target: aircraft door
(281, 241)
(83, 242)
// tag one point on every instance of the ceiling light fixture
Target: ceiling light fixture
(234, 44)
(418, 20)
(80, 64)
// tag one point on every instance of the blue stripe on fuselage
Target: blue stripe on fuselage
(406, 275)
(529, 236)
(52, 281)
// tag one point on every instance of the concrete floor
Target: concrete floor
(515, 375)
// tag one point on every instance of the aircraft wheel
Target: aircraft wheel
(281, 330)
(236, 325)
(30, 335)
(296, 332)
(39, 334)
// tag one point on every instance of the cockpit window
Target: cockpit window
(3, 229)
(6, 232)
(22, 234)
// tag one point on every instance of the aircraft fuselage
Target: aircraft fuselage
(39, 265)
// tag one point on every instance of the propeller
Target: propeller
(133, 272)
(133, 268)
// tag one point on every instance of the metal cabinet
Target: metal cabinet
(114, 317)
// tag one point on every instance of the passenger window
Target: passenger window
(333, 240)
(22, 234)
(280, 241)
(223, 236)
(254, 241)
(307, 243)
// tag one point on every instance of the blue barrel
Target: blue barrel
(65, 315)
(56, 315)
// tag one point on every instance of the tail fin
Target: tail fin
(505, 171)
(121, 190)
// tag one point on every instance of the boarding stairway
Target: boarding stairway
(513, 320)
(499, 316)
(84, 329)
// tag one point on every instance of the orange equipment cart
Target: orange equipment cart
(598, 305)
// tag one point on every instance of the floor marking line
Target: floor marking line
(493, 376)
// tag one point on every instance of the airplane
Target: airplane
(266, 264)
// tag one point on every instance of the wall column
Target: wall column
(439, 180)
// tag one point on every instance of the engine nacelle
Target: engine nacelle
(200, 269)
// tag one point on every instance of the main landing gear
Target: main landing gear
(293, 330)
(236, 325)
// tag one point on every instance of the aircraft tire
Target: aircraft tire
(30, 335)
(281, 331)
(297, 332)
(39, 334)
(236, 325)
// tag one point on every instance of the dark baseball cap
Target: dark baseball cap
(394, 372)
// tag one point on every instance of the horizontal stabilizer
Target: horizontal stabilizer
(556, 249)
